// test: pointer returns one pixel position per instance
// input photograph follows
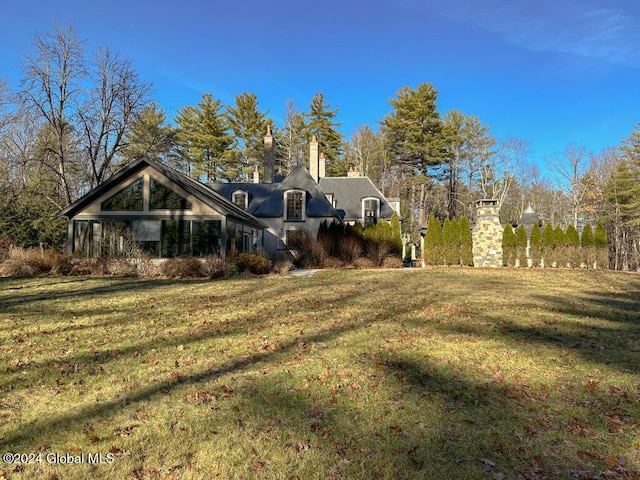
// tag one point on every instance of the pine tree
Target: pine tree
(508, 246)
(521, 246)
(320, 122)
(601, 244)
(535, 245)
(588, 246)
(573, 246)
(548, 245)
(433, 241)
(204, 141)
(149, 136)
(414, 131)
(248, 125)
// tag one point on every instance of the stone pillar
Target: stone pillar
(269, 156)
(314, 159)
(487, 235)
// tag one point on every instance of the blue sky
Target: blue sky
(548, 72)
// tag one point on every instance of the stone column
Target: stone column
(487, 235)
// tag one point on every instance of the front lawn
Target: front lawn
(440, 373)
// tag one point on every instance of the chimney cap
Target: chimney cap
(314, 138)
(268, 129)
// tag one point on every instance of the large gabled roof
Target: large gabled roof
(349, 192)
(267, 200)
(194, 187)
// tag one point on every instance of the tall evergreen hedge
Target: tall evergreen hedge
(535, 245)
(433, 242)
(466, 242)
(508, 246)
(521, 246)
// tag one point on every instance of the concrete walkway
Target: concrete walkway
(302, 272)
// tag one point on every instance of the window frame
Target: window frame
(302, 207)
(366, 219)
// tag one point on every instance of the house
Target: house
(306, 197)
(149, 208)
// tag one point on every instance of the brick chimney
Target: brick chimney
(269, 156)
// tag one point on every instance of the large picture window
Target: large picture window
(161, 197)
(129, 198)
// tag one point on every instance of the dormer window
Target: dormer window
(294, 206)
(370, 210)
(240, 199)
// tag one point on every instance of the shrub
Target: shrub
(350, 248)
(521, 246)
(392, 262)
(363, 262)
(548, 245)
(121, 267)
(588, 246)
(451, 241)
(377, 251)
(508, 246)
(535, 245)
(253, 262)
(396, 235)
(182, 267)
(573, 246)
(17, 268)
(433, 241)
(306, 250)
(602, 247)
(466, 242)
(215, 267)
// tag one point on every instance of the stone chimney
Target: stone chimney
(256, 175)
(269, 156)
(353, 172)
(487, 235)
(314, 159)
(322, 165)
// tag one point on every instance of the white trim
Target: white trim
(362, 212)
(246, 198)
(303, 213)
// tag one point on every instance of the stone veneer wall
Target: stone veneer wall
(487, 235)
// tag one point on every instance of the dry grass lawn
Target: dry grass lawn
(435, 373)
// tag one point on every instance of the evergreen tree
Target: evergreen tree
(509, 252)
(466, 242)
(414, 131)
(548, 245)
(535, 245)
(521, 246)
(320, 122)
(204, 141)
(588, 246)
(433, 242)
(396, 234)
(451, 242)
(601, 244)
(150, 136)
(560, 240)
(573, 246)
(248, 125)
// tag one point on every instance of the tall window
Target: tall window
(294, 205)
(370, 210)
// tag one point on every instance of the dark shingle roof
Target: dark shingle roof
(267, 200)
(348, 193)
(194, 187)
